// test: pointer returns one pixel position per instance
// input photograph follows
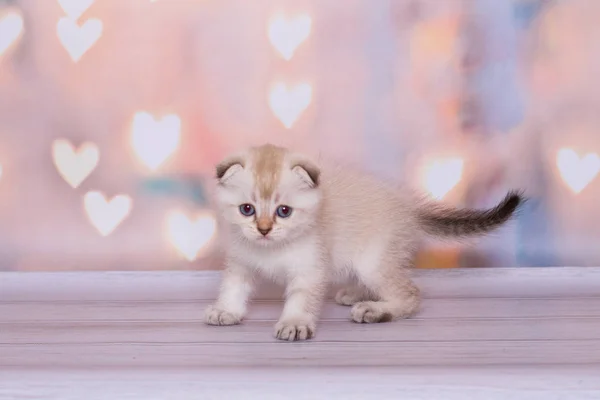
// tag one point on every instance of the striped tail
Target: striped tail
(438, 220)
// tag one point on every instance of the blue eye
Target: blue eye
(247, 210)
(284, 211)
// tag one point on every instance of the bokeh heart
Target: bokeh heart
(287, 34)
(105, 215)
(11, 28)
(577, 172)
(189, 237)
(74, 165)
(442, 175)
(76, 39)
(288, 103)
(154, 140)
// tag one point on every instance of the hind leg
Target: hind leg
(397, 296)
(352, 294)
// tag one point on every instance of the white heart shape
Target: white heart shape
(155, 140)
(287, 104)
(11, 27)
(190, 237)
(75, 8)
(577, 172)
(106, 215)
(74, 165)
(76, 39)
(287, 34)
(442, 175)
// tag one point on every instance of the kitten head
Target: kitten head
(268, 195)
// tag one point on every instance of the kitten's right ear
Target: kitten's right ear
(225, 168)
(309, 172)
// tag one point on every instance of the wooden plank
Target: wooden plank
(418, 331)
(515, 383)
(477, 322)
(198, 285)
(308, 354)
(271, 309)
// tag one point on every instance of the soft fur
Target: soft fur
(344, 226)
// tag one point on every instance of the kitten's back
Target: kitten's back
(359, 208)
(361, 211)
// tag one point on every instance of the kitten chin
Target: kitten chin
(305, 225)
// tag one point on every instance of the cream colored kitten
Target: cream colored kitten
(306, 226)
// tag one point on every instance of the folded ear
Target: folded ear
(308, 171)
(225, 168)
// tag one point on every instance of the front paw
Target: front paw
(295, 329)
(216, 316)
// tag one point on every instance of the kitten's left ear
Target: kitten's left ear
(309, 172)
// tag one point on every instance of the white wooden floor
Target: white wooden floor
(482, 334)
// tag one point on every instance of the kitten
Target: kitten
(306, 226)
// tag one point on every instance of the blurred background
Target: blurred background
(113, 113)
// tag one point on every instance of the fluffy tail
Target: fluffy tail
(442, 221)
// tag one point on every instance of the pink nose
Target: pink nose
(264, 231)
(264, 225)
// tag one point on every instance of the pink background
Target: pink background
(502, 84)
